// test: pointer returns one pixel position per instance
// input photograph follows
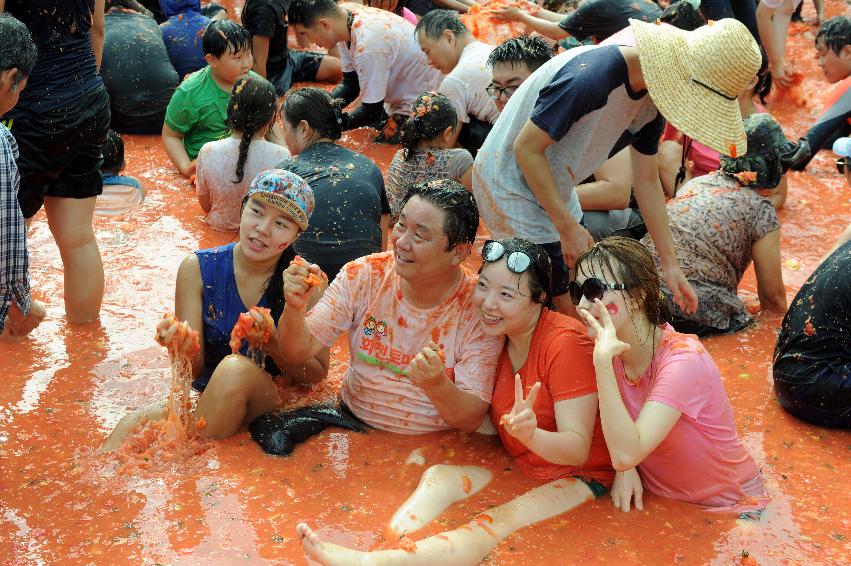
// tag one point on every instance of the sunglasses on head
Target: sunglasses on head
(592, 288)
(517, 262)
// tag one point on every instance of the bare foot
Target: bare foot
(325, 552)
(129, 422)
(440, 486)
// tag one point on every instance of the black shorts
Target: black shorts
(825, 402)
(61, 151)
(561, 273)
(302, 67)
(598, 489)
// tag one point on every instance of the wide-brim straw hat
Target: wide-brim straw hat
(695, 77)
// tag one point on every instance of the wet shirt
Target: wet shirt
(221, 306)
(816, 332)
(582, 100)
(465, 85)
(136, 69)
(14, 257)
(65, 69)
(701, 460)
(215, 175)
(715, 223)
(385, 54)
(198, 110)
(268, 18)
(423, 166)
(350, 199)
(386, 332)
(561, 358)
(183, 34)
(599, 19)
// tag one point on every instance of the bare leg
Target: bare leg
(128, 423)
(467, 544)
(239, 391)
(439, 487)
(330, 70)
(70, 222)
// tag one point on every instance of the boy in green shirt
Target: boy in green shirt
(197, 112)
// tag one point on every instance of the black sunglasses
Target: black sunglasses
(517, 262)
(841, 164)
(592, 288)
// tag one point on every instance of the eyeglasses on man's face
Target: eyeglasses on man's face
(496, 91)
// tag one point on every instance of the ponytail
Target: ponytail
(250, 108)
(431, 114)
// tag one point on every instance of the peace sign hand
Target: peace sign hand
(521, 422)
(607, 344)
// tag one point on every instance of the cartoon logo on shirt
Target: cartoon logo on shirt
(379, 327)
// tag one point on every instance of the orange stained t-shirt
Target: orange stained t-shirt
(560, 357)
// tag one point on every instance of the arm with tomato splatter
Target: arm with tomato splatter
(651, 201)
(459, 409)
(188, 304)
(629, 442)
(570, 444)
(297, 346)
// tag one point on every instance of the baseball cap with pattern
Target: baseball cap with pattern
(286, 191)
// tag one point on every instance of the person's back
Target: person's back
(421, 167)
(715, 223)
(66, 67)
(350, 201)
(812, 360)
(137, 72)
(215, 176)
(182, 33)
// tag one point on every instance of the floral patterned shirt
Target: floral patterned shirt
(715, 223)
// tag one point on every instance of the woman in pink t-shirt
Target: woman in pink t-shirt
(663, 406)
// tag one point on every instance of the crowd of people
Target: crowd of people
(627, 180)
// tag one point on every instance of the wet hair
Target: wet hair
(523, 50)
(435, 22)
(113, 153)
(431, 114)
(307, 12)
(315, 106)
(462, 214)
(17, 49)
(632, 264)
(683, 15)
(763, 78)
(212, 9)
(274, 287)
(222, 36)
(251, 106)
(835, 33)
(540, 271)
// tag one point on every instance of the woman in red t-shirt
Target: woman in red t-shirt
(544, 409)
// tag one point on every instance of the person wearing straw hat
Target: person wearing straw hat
(214, 287)
(590, 102)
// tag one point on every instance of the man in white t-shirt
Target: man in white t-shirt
(452, 49)
(380, 58)
(419, 361)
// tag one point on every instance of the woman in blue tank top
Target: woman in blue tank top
(215, 286)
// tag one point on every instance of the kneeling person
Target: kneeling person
(420, 361)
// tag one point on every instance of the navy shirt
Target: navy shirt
(183, 33)
(221, 306)
(65, 69)
(350, 199)
(136, 71)
(816, 332)
(600, 19)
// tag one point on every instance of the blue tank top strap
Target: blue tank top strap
(221, 306)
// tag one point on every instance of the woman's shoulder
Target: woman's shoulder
(682, 348)
(557, 331)
(218, 253)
